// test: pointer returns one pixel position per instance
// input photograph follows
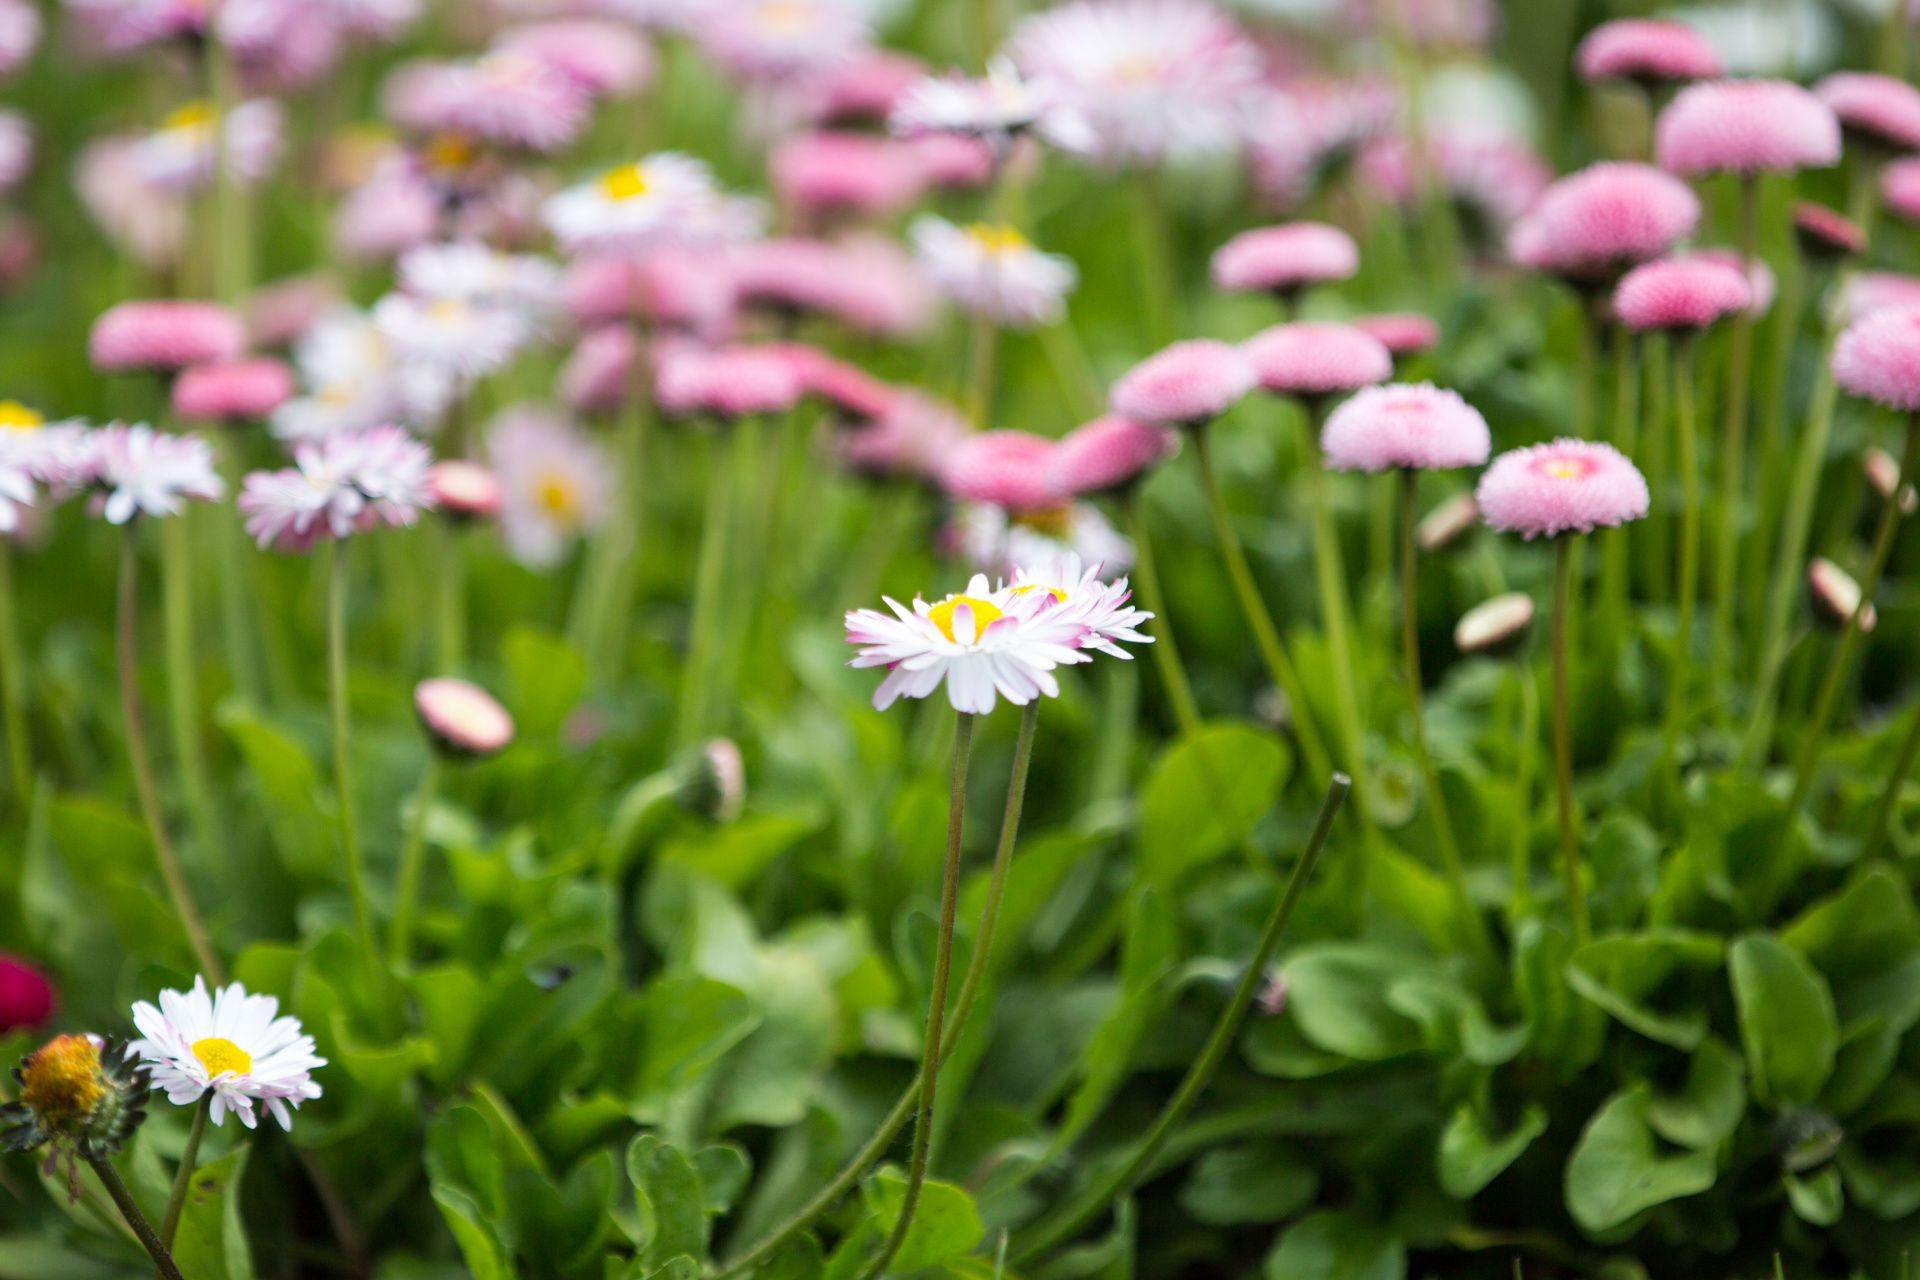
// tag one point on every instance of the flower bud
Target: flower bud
(1837, 597)
(80, 1094)
(1497, 627)
(1447, 523)
(715, 784)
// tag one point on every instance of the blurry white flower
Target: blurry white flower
(180, 154)
(450, 336)
(993, 270)
(1101, 607)
(231, 1043)
(556, 478)
(666, 198)
(992, 542)
(781, 39)
(351, 480)
(140, 216)
(348, 373)
(1795, 38)
(473, 273)
(143, 470)
(996, 108)
(1478, 103)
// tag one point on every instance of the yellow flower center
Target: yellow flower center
(627, 182)
(559, 496)
(1139, 68)
(985, 613)
(996, 238)
(218, 1054)
(1053, 522)
(15, 416)
(449, 151)
(1058, 594)
(198, 114)
(1566, 468)
(61, 1081)
(784, 16)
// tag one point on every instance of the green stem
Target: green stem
(1813, 733)
(1410, 668)
(339, 719)
(13, 683)
(1790, 558)
(1072, 369)
(1265, 636)
(977, 966)
(1166, 651)
(1689, 583)
(1563, 742)
(934, 1044)
(983, 343)
(1613, 543)
(183, 684)
(1522, 853)
(1330, 576)
(125, 636)
(1733, 462)
(1585, 360)
(1153, 244)
(413, 857)
(183, 1176)
(1048, 1233)
(238, 610)
(1877, 832)
(450, 627)
(1655, 533)
(130, 1210)
(709, 575)
(609, 578)
(1773, 452)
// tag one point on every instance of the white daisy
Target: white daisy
(472, 272)
(993, 269)
(449, 336)
(556, 483)
(979, 643)
(231, 1043)
(347, 368)
(1099, 606)
(994, 542)
(348, 481)
(666, 198)
(180, 154)
(143, 470)
(996, 108)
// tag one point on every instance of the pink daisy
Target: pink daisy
(1825, 234)
(1900, 188)
(865, 88)
(601, 57)
(1746, 126)
(1285, 259)
(1875, 109)
(1610, 216)
(848, 388)
(1872, 291)
(232, 390)
(910, 438)
(1110, 452)
(1565, 486)
(1405, 425)
(1680, 293)
(1878, 357)
(1402, 333)
(1187, 384)
(599, 374)
(19, 34)
(1311, 360)
(868, 283)
(511, 98)
(1010, 469)
(846, 172)
(280, 311)
(731, 382)
(1650, 50)
(164, 335)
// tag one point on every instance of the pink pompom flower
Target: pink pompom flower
(1109, 453)
(511, 98)
(1608, 217)
(1746, 126)
(1875, 110)
(1652, 51)
(732, 382)
(1900, 188)
(462, 718)
(599, 374)
(911, 438)
(1285, 259)
(465, 490)
(825, 173)
(1405, 425)
(1187, 384)
(1878, 357)
(1010, 469)
(164, 336)
(1402, 333)
(1680, 294)
(1565, 486)
(1312, 360)
(1825, 235)
(232, 390)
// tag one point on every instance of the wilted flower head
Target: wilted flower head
(1312, 359)
(1153, 79)
(556, 478)
(1680, 294)
(1111, 452)
(1878, 357)
(1564, 486)
(246, 390)
(713, 780)
(1285, 259)
(1652, 51)
(164, 336)
(1007, 468)
(1875, 110)
(140, 470)
(1746, 126)
(231, 1044)
(79, 1095)
(462, 718)
(1405, 426)
(993, 270)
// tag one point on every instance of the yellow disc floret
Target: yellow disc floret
(15, 416)
(218, 1054)
(996, 237)
(61, 1081)
(628, 182)
(985, 613)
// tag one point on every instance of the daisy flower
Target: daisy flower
(182, 155)
(348, 371)
(993, 270)
(231, 1044)
(994, 539)
(996, 108)
(452, 336)
(1100, 606)
(556, 480)
(666, 198)
(979, 643)
(781, 39)
(1560, 487)
(352, 480)
(509, 97)
(143, 470)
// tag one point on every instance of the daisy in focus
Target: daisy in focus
(994, 270)
(231, 1044)
(1100, 606)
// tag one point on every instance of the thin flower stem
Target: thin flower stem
(1733, 463)
(413, 857)
(1613, 543)
(183, 1177)
(163, 852)
(183, 683)
(931, 1051)
(1522, 853)
(605, 594)
(1072, 369)
(977, 965)
(1814, 732)
(450, 626)
(13, 684)
(130, 1210)
(340, 718)
(1773, 450)
(1159, 286)
(1879, 830)
(696, 676)
(1265, 636)
(1166, 652)
(1790, 559)
(1050, 1232)
(1689, 582)
(1563, 743)
(1654, 541)
(1336, 615)
(983, 344)
(1410, 668)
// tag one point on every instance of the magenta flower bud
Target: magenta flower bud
(164, 336)
(1188, 384)
(462, 718)
(232, 390)
(27, 997)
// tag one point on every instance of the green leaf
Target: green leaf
(562, 1224)
(110, 858)
(671, 1200)
(945, 1225)
(1150, 949)
(1564, 1029)
(1788, 1025)
(294, 801)
(1620, 973)
(1254, 1182)
(1337, 995)
(1204, 794)
(1472, 1155)
(737, 853)
(1817, 1197)
(1618, 1170)
(480, 1248)
(1866, 928)
(32, 1257)
(212, 1240)
(452, 1003)
(1709, 1108)
(724, 1170)
(691, 1022)
(461, 1157)
(1334, 1245)
(545, 677)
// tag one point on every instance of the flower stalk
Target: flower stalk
(130, 1210)
(340, 722)
(13, 685)
(183, 1177)
(1688, 586)
(1336, 614)
(1166, 651)
(1733, 457)
(1563, 742)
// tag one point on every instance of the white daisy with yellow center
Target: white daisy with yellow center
(230, 1044)
(667, 198)
(992, 269)
(981, 643)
